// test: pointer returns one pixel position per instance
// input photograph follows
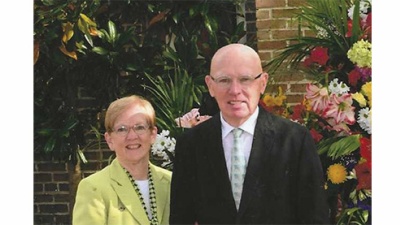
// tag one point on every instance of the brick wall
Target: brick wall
(269, 21)
(275, 23)
(54, 186)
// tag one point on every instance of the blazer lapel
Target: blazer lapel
(262, 143)
(126, 193)
(161, 186)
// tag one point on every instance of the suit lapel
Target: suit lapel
(215, 154)
(262, 143)
(126, 193)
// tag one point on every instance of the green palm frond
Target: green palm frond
(173, 97)
(327, 20)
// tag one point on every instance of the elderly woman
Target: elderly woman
(130, 190)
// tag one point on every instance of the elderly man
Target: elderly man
(245, 165)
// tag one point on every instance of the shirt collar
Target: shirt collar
(248, 126)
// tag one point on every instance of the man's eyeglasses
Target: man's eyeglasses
(123, 130)
(225, 82)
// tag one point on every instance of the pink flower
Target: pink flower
(338, 127)
(341, 109)
(319, 98)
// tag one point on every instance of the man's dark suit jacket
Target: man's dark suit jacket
(283, 183)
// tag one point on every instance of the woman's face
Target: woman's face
(131, 138)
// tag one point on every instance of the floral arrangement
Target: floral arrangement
(337, 105)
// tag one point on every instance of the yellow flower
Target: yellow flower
(360, 99)
(278, 101)
(361, 54)
(274, 101)
(268, 100)
(307, 104)
(337, 173)
(366, 89)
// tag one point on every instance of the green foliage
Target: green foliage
(339, 146)
(353, 216)
(173, 97)
(102, 50)
(333, 21)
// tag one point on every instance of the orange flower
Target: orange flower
(337, 173)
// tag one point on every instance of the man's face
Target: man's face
(237, 83)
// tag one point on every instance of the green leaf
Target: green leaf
(324, 145)
(45, 131)
(82, 156)
(353, 216)
(171, 54)
(112, 31)
(49, 146)
(356, 27)
(132, 67)
(84, 27)
(88, 20)
(100, 50)
(344, 146)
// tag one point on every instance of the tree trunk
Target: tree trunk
(75, 176)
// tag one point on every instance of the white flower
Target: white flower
(162, 145)
(338, 88)
(321, 32)
(364, 119)
(364, 6)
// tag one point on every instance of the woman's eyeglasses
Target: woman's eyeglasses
(123, 130)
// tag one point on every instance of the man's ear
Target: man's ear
(208, 81)
(264, 81)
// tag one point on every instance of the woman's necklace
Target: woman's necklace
(152, 195)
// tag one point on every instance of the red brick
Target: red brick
(61, 198)
(265, 56)
(42, 177)
(269, 3)
(284, 34)
(295, 3)
(39, 198)
(284, 13)
(271, 24)
(53, 166)
(298, 88)
(263, 14)
(60, 176)
(53, 208)
(295, 99)
(264, 35)
(270, 45)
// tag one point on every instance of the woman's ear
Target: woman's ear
(154, 134)
(109, 141)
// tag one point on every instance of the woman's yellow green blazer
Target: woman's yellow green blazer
(108, 197)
